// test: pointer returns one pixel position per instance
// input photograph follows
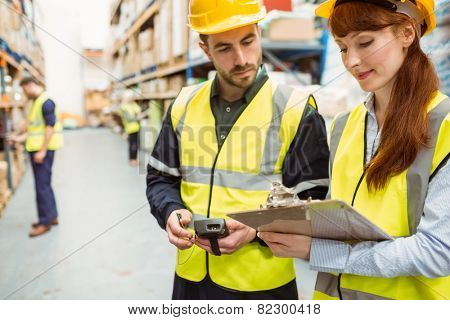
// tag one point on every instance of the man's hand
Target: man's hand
(178, 236)
(40, 156)
(239, 235)
(287, 245)
(10, 139)
(13, 138)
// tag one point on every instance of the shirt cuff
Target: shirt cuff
(328, 255)
(171, 207)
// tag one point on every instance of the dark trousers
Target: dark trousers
(133, 145)
(45, 197)
(207, 290)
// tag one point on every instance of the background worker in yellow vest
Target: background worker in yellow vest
(130, 113)
(222, 144)
(43, 136)
(389, 159)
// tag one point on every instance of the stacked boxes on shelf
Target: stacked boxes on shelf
(17, 33)
(157, 44)
(17, 172)
(5, 193)
(131, 58)
(285, 25)
(180, 29)
(146, 52)
(23, 52)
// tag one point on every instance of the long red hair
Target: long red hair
(406, 126)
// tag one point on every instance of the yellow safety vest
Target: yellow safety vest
(236, 177)
(36, 127)
(397, 209)
(129, 113)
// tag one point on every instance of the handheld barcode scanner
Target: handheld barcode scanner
(211, 229)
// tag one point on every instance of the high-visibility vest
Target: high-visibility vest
(36, 127)
(397, 208)
(129, 113)
(236, 177)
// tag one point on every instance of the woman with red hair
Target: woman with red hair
(389, 159)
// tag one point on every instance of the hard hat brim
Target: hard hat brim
(325, 9)
(231, 23)
(430, 17)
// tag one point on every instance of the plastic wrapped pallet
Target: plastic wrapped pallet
(4, 191)
(437, 44)
(163, 33)
(180, 30)
(145, 40)
(195, 52)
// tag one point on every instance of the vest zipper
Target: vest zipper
(356, 191)
(211, 185)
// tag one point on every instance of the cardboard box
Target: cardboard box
(162, 84)
(167, 104)
(145, 40)
(288, 29)
(3, 170)
(147, 59)
(177, 82)
(19, 158)
(96, 101)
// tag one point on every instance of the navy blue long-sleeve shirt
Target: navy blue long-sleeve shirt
(48, 112)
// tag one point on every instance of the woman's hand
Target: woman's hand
(285, 245)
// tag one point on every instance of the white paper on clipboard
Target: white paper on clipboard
(329, 219)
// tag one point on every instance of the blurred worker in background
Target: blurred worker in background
(43, 135)
(130, 113)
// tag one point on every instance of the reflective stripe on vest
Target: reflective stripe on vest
(235, 178)
(36, 127)
(397, 208)
(129, 114)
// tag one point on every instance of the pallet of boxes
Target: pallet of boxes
(5, 193)
(17, 171)
(97, 105)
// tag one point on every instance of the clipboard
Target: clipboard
(329, 219)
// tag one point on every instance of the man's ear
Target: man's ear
(408, 34)
(205, 49)
(259, 29)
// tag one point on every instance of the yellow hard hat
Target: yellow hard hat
(425, 12)
(216, 16)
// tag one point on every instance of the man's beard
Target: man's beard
(242, 83)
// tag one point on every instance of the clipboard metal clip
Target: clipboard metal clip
(281, 196)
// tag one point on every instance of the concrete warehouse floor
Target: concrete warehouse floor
(107, 245)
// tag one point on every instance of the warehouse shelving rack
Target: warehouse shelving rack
(11, 63)
(274, 51)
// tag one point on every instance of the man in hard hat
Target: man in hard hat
(43, 135)
(222, 144)
(130, 112)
